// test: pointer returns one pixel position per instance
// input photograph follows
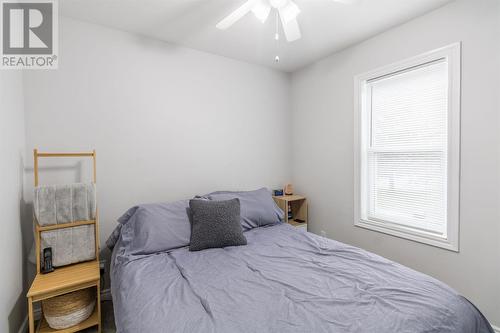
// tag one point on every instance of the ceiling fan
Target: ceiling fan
(287, 10)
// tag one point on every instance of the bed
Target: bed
(283, 280)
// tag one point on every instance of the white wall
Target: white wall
(167, 122)
(170, 122)
(322, 104)
(12, 298)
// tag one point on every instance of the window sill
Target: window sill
(408, 233)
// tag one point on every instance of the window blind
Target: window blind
(406, 153)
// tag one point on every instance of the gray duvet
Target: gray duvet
(284, 280)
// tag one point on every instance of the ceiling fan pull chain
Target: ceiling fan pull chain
(277, 38)
(277, 35)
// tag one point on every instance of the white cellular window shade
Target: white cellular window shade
(407, 149)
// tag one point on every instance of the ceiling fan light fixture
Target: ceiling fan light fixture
(289, 12)
(261, 10)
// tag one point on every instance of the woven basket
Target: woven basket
(69, 309)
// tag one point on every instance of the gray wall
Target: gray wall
(12, 298)
(167, 122)
(322, 104)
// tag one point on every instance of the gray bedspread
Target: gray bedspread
(284, 280)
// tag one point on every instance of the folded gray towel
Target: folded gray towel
(56, 204)
(69, 245)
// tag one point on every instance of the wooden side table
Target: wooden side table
(70, 278)
(62, 281)
(298, 205)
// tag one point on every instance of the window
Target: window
(407, 148)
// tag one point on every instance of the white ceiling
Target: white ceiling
(327, 26)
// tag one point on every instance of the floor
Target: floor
(107, 318)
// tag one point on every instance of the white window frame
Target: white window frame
(451, 54)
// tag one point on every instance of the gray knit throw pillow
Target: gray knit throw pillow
(215, 224)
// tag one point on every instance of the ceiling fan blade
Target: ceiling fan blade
(289, 12)
(236, 15)
(291, 29)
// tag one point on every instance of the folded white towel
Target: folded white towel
(69, 245)
(55, 204)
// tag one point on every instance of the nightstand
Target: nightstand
(70, 278)
(65, 280)
(298, 205)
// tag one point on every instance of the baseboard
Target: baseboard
(37, 313)
(24, 326)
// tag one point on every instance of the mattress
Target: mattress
(284, 280)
